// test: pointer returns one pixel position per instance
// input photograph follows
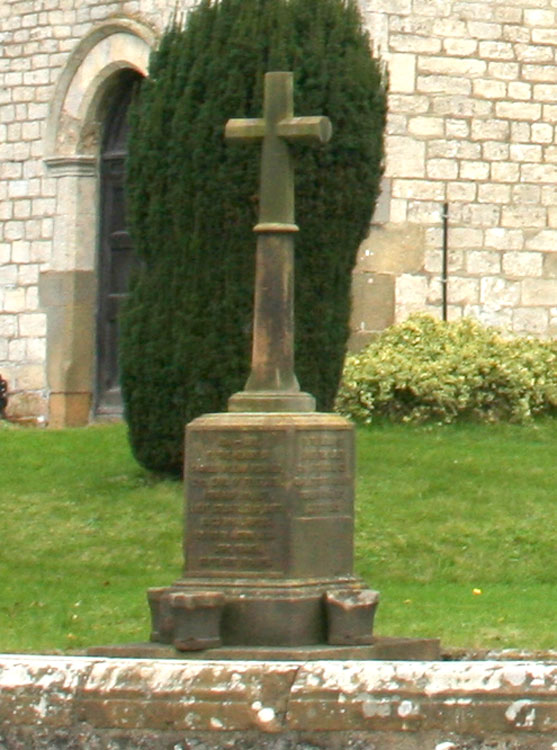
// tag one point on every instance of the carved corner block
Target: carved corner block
(197, 618)
(350, 616)
(190, 621)
(162, 620)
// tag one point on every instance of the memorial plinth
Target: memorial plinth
(268, 538)
(269, 525)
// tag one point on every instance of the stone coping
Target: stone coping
(107, 702)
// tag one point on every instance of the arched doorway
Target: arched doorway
(116, 255)
(95, 77)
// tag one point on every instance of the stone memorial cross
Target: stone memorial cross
(269, 521)
(269, 485)
(272, 384)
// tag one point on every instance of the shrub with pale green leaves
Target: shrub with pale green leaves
(428, 370)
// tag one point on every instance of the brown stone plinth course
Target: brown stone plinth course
(381, 648)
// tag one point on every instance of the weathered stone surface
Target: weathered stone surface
(381, 648)
(272, 385)
(258, 486)
(37, 689)
(69, 409)
(475, 696)
(538, 292)
(350, 616)
(518, 264)
(402, 68)
(69, 299)
(206, 696)
(544, 240)
(498, 292)
(403, 150)
(374, 302)
(392, 249)
(411, 293)
(550, 265)
(528, 320)
(83, 703)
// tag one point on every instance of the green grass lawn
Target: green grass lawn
(456, 526)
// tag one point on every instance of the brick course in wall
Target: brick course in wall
(472, 121)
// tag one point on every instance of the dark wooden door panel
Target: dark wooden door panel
(116, 253)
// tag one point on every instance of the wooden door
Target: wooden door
(116, 254)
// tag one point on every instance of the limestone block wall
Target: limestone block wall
(40, 43)
(472, 114)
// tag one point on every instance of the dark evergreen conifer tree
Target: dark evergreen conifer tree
(192, 204)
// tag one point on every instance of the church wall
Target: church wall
(472, 115)
(49, 194)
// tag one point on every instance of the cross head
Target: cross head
(276, 129)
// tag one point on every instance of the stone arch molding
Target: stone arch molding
(68, 288)
(117, 44)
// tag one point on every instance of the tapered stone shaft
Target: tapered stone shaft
(272, 384)
(273, 340)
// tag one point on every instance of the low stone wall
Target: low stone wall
(88, 703)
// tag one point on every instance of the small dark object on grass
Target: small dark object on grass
(3, 397)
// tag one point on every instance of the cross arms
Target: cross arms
(276, 129)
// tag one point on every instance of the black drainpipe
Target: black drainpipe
(445, 266)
